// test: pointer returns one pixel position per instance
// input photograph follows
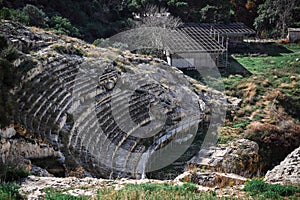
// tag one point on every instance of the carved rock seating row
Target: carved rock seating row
(47, 98)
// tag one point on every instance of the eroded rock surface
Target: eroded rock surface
(211, 179)
(288, 171)
(36, 187)
(113, 112)
(239, 157)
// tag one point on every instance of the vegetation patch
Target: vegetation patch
(11, 174)
(155, 191)
(52, 194)
(269, 111)
(69, 49)
(9, 77)
(27, 65)
(262, 190)
(9, 191)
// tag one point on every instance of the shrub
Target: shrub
(27, 65)
(104, 43)
(9, 77)
(13, 169)
(11, 174)
(3, 43)
(275, 141)
(10, 53)
(14, 15)
(70, 49)
(36, 16)
(63, 26)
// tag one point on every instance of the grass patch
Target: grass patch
(262, 190)
(241, 124)
(52, 194)
(9, 191)
(155, 191)
(69, 49)
(269, 111)
(261, 64)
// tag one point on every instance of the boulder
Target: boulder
(211, 179)
(7, 132)
(239, 157)
(38, 171)
(287, 172)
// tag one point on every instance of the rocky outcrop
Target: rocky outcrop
(211, 179)
(239, 157)
(20, 152)
(7, 132)
(26, 149)
(38, 171)
(35, 187)
(112, 112)
(288, 171)
(224, 185)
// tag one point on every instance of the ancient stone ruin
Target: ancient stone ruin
(112, 113)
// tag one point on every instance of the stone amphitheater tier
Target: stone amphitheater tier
(116, 112)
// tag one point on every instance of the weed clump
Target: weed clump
(70, 49)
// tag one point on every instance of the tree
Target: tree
(14, 15)
(63, 26)
(274, 17)
(157, 17)
(36, 16)
(245, 11)
(190, 10)
(296, 15)
(216, 12)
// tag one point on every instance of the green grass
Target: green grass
(145, 191)
(262, 64)
(52, 194)
(148, 191)
(262, 190)
(9, 191)
(241, 124)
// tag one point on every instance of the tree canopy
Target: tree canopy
(275, 16)
(92, 19)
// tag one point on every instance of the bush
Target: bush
(63, 26)
(11, 174)
(275, 141)
(14, 15)
(104, 43)
(70, 49)
(9, 77)
(3, 43)
(36, 16)
(272, 191)
(10, 53)
(27, 65)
